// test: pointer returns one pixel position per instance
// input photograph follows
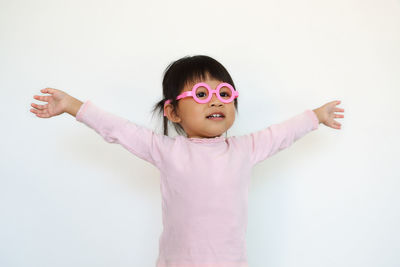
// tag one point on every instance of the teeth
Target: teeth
(215, 115)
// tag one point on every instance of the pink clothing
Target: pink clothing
(204, 183)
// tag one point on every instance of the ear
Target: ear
(171, 113)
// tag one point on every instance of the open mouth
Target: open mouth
(217, 117)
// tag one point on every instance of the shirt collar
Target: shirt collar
(217, 139)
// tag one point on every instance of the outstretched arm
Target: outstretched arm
(58, 102)
(326, 114)
(268, 141)
(137, 139)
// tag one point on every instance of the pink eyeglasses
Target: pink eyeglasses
(202, 93)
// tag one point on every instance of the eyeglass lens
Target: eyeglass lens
(224, 93)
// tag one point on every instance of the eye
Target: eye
(223, 94)
(201, 94)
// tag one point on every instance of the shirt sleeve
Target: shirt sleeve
(138, 140)
(268, 141)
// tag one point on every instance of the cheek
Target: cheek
(232, 118)
(193, 113)
(233, 115)
(232, 111)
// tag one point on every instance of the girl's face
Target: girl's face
(192, 116)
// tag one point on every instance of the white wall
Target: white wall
(68, 198)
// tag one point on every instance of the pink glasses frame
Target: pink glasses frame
(192, 93)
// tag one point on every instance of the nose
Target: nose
(215, 101)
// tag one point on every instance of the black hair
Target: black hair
(187, 70)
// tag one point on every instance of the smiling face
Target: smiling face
(192, 116)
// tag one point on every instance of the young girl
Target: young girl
(204, 176)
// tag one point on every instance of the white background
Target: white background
(68, 198)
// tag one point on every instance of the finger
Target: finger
(332, 122)
(43, 115)
(336, 126)
(39, 106)
(338, 116)
(337, 123)
(36, 111)
(40, 114)
(48, 91)
(45, 98)
(339, 110)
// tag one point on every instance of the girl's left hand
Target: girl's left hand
(326, 114)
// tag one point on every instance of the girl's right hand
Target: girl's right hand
(58, 102)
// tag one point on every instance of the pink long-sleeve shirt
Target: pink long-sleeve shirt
(204, 183)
